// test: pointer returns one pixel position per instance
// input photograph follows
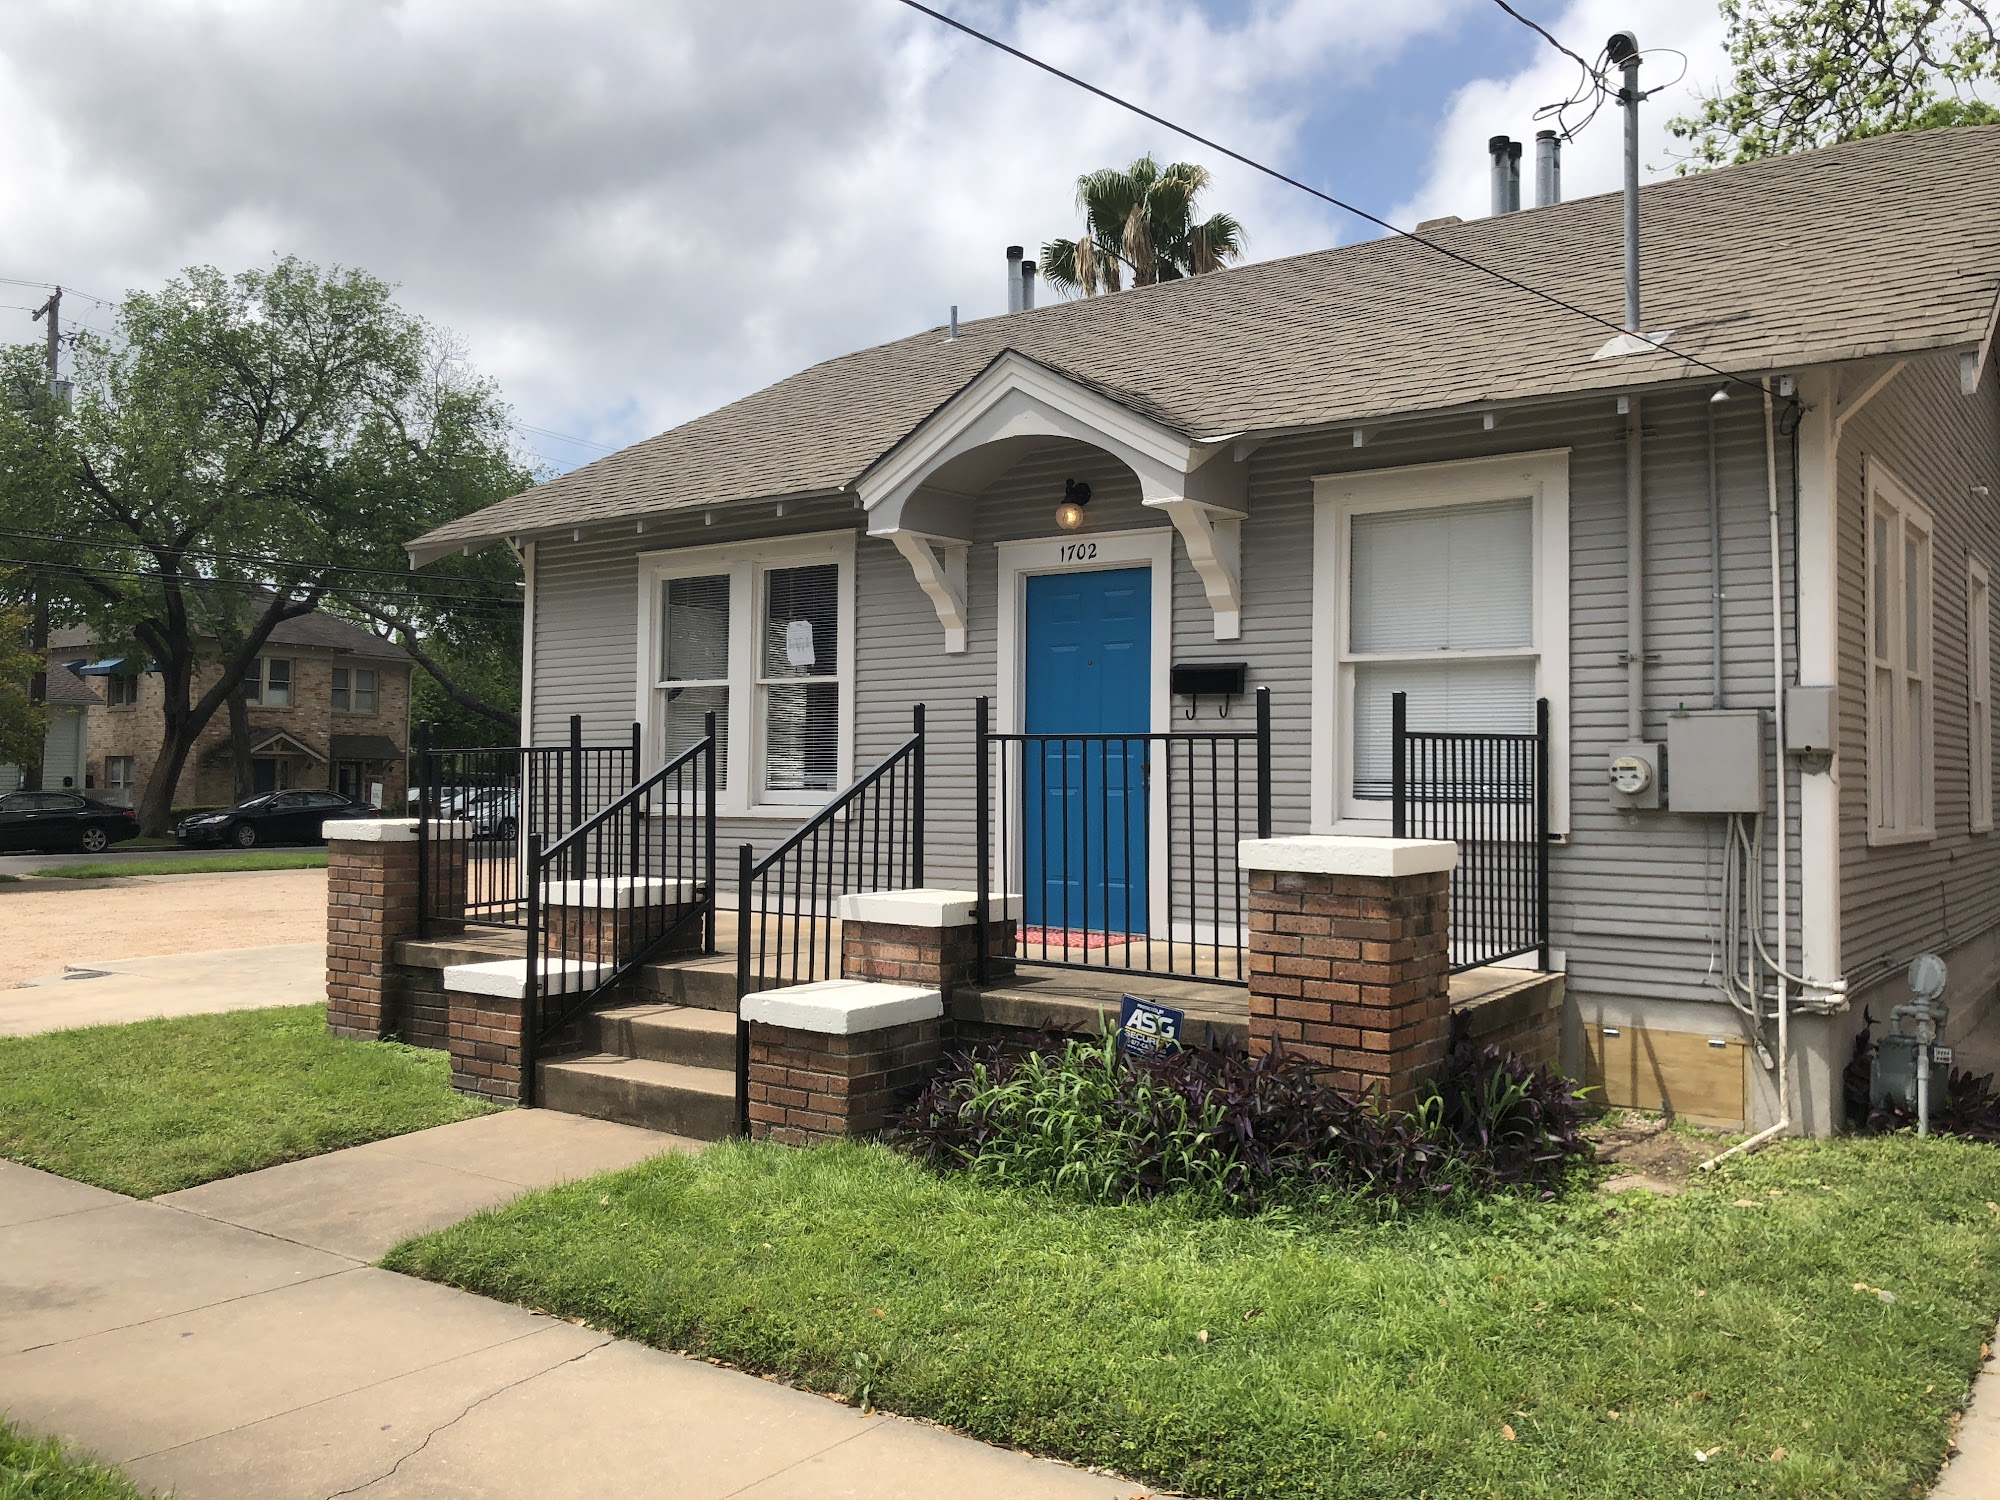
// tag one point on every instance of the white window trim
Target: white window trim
(744, 562)
(1979, 694)
(1149, 547)
(1544, 477)
(1884, 491)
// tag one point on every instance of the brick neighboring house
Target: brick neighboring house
(329, 707)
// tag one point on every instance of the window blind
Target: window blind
(1493, 696)
(800, 665)
(695, 633)
(1442, 578)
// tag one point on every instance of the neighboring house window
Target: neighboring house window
(1979, 692)
(1899, 663)
(354, 690)
(758, 635)
(1448, 583)
(118, 776)
(121, 691)
(269, 682)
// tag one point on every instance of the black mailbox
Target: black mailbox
(1208, 679)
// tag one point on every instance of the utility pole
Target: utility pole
(38, 630)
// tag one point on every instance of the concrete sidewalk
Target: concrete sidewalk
(215, 1359)
(106, 991)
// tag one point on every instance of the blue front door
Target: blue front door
(1088, 672)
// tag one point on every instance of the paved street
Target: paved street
(232, 1341)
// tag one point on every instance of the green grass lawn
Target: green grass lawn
(110, 869)
(159, 1105)
(38, 1469)
(1801, 1323)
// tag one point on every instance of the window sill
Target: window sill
(1889, 839)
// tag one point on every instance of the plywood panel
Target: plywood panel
(1685, 1073)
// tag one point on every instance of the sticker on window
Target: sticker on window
(799, 644)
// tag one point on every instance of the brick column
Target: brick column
(924, 937)
(371, 905)
(486, 1013)
(837, 1058)
(1349, 956)
(607, 919)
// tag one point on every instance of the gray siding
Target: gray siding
(1636, 895)
(1899, 899)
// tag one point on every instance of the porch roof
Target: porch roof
(1882, 246)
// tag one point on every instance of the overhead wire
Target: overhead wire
(209, 554)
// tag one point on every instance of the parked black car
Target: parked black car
(62, 820)
(274, 818)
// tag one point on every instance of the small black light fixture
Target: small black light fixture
(1076, 495)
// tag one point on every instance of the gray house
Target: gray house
(1720, 648)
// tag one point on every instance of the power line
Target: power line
(1543, 32)
(1446, 251)
(208, 554)
(564, 437)
(201, 583)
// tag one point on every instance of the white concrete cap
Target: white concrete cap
(843, 1007)
(389, 830)
(1341, 854)
(508, 977)
(621, 891)
(925, 906)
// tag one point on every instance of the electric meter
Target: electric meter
(1631, 775)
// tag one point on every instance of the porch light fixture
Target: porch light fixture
(1076, 495)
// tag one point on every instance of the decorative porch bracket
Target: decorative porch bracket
(1214, 542)
(939, 565)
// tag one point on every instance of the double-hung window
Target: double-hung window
(759, 635)
(269, 682)
(121, 691)
(1448, 583)
(354, 690)
(1900, 791)
(1979, 693)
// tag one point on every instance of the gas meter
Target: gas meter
(1900, 1075)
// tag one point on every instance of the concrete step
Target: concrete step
(667, 1033)
(704, 983)
(695, 1102)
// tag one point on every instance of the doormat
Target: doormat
(1072, 937)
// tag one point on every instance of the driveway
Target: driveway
(47, 927)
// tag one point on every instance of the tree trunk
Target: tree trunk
(178, 731)
(239, 747)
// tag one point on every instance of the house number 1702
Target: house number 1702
(1077, 552)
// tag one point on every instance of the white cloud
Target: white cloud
(634, 211)
(1459, 183)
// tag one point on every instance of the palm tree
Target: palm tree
(1140, 221)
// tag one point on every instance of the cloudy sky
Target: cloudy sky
(635, 210)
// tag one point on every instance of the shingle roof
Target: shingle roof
(1877, 246)
(67, 689)
(328, 632)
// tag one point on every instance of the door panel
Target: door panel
(1088, 663)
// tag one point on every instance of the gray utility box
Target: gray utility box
(1718, 761)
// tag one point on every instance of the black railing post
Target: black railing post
(531, 1009)
(745, 858)
(423, 780)
(917, 798)
(708, 830)
(983, 839)
(1399, 819)
(1542, 832)
(575, 791)
(1263, 762)
(638, 812)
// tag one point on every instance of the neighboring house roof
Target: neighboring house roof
(67, 690)
(318, 629)
(1880, 246)
(364, 747)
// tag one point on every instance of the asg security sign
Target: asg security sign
(1146, 1029)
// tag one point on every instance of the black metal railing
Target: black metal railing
(506, 794)
(1489, 794)
(869, 838)
(1117, 852)
(617, 889)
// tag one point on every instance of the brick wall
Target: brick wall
(371, 901)
(939, 958)
(807, 1086)
(1526, 1021)
(485, 1046)
(207, 777)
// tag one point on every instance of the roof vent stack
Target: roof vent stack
(1623, 50)
(1506, 157)
(1548, 168)
(1013, 278)
(1027, 286)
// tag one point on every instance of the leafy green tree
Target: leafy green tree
(248, 449)
(1141, 222)
(1809, 73)
(22, 721)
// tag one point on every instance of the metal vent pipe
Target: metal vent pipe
(1497, 150)
(1014, 278)
(1027, 285)
(1623, 50)
(1548, 168)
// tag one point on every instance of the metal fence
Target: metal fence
(1118, 851)
(507, 794)
(869, 838)
(1489, 794)
(618, 888)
